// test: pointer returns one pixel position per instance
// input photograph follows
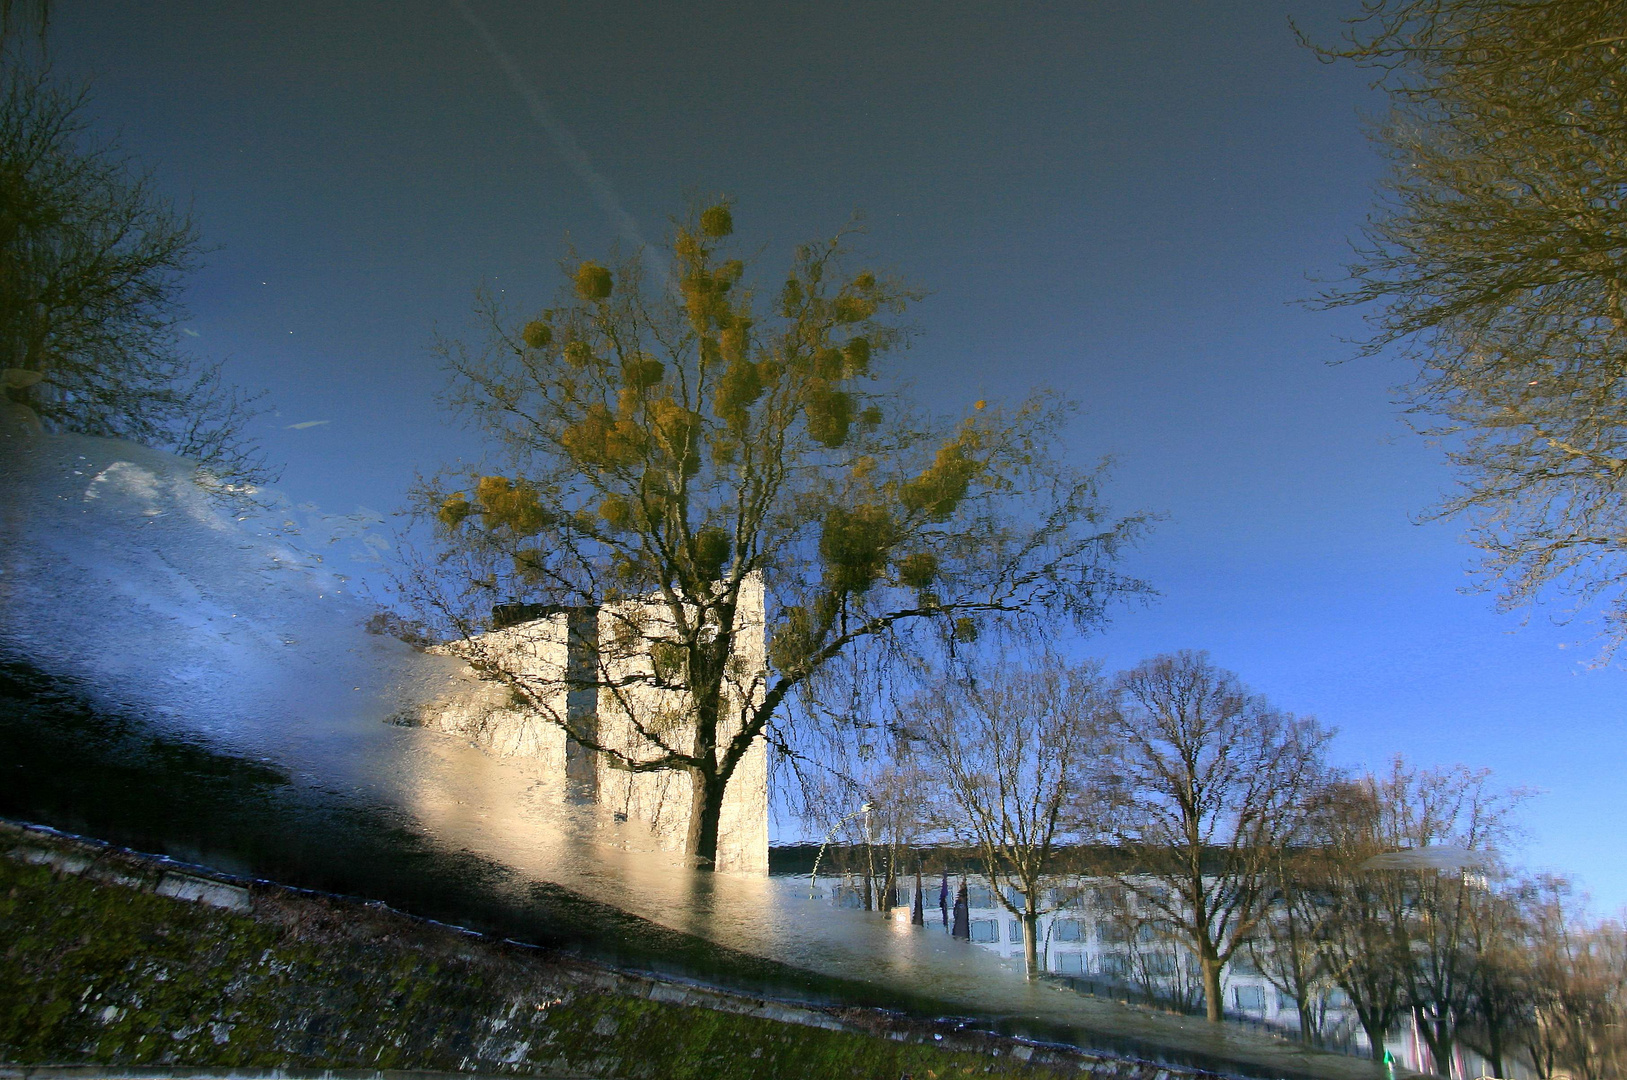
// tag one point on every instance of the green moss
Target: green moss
(102, 973)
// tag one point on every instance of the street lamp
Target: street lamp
(813, 879)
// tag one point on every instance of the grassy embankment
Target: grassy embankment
(98, 967)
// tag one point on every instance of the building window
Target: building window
(985, 930)
(1070, 963)
(1160, 965)
(1067, 930)
(979, 896)
(1115, 965)
(1014, 931)
(1249, 998)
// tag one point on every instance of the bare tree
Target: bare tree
(861, 748)
(92, 263)
(1286, 948)
(1500, 998)
(863, 752)
(1413, 914)
(1578, 1022)
(1494, 263)
(1013, 747)
(674, 444)
(20, 19)
(1155, 956)
(1456, 809)
(1361, 929)
(1213, 785)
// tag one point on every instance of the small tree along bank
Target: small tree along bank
(1213, 785)
(1013, 747)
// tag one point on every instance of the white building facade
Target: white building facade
(1098, 938)
(571, 670)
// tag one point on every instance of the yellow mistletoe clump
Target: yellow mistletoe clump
(510, 505)
(602, 440)
(593, 281)
(939, 489)
(537, 334)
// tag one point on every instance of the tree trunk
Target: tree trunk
(706, 787)
(1375, 1038)
(1494, 1048)
(1213, 1004)
(1031, 942)
(705, 811)
(1307, 1032)
(1438, 1039)
(889, 884)
(1541, 1059)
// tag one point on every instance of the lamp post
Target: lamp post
(813, 879)
(870, 866)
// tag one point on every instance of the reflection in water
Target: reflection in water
(232, 628)
(465, 799)
(237, 711)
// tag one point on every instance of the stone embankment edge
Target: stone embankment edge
(195, 1072)
(98, 860)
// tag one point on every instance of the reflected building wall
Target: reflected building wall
(578, 679)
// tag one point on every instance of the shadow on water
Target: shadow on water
(80, 768)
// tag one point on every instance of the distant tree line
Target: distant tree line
(1219, 822)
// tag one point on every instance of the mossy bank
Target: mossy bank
(112, 958)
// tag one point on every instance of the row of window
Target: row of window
(1105, 898)
(1158, 965)
(1113, 965)
(978, 898)
(1073, 930)
(1245, 998)
(1113, 933)
(1252, 999)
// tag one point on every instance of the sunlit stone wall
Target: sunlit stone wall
(548, 655)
